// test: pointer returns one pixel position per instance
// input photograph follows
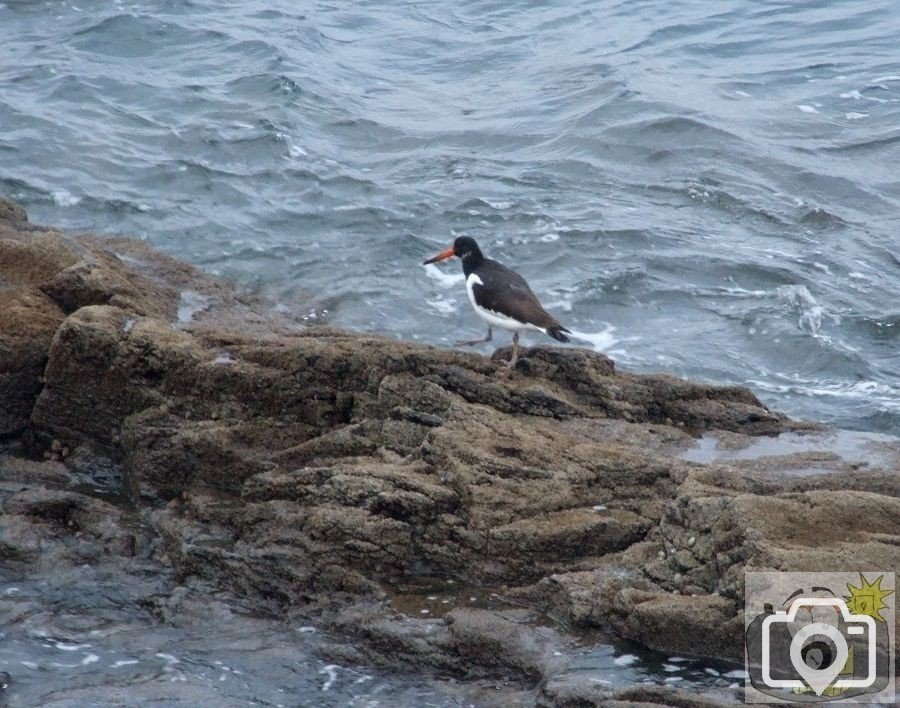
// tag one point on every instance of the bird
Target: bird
(500, 296)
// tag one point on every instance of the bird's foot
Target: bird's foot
(472, 342)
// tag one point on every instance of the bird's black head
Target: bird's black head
(467, 251)
(466, 248)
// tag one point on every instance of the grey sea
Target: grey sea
(710, 189)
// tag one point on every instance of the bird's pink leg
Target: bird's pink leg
(515, 355)
(471, 342)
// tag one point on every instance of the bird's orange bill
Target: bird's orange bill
(443, 255)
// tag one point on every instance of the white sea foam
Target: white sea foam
(625, 660)
(331, 673)
(858, 96)
(741, 292)
(736, 674)
(602, 341)
(853, 115)
(445, 307)
(64, 198)
(295, 150)
(444, 277)
(807, 109)
(800, 298)
(883, 396)
(564, 304)
(71, 647)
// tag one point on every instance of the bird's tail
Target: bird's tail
(557, 332)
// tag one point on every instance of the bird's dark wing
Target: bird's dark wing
(504, 291)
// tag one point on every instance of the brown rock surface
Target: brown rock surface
(28, 317)
(316, 469)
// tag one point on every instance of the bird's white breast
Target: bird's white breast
(495, 319)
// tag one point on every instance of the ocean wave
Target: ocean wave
(884, 396)
(137, 35)
(689, 131)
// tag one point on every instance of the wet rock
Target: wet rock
(467, 643)
(497, 640)
(28, 321)
(680, 624)
(12, 214)
(47, 526)
(576, 692)
(569, 534)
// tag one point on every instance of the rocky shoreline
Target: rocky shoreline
(316, 472)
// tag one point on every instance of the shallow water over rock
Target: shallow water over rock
(104, 635)
(823, 451)
(91, 636)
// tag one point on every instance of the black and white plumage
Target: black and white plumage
(500, 296)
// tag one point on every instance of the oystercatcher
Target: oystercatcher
(500, 296)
